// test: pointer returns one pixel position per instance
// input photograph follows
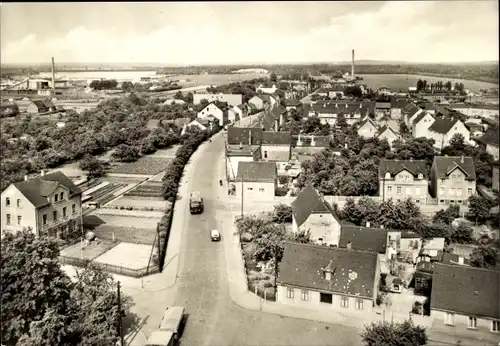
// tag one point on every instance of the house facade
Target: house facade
(42, 204)
(328, 112)
(466, 298)
(257, 181)
(387, 133)
(311, 213)
(276, 146)
(367, 128)
(231, 99)
(490, 141)
(212, 109)
(443, 129)
(421, 125)
(396, 107)
(261, 101)
(453, 179)
(328, 279)
(382, 109)
(403, 179)
(243, 145)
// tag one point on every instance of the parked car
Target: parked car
(215, 235)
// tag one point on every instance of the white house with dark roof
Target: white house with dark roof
(311, 213)
(453, 179)
(443, 129)
(328, 278)
(328, 112)
(42, 203)
(490, 141)
(467, 299)
(276, 147)
(261, 101)
(265, 90)
(403, 179)
(421, 124)
(367, 128)
(257, 181)
(387, 133)
(242, 145)
(212, 109)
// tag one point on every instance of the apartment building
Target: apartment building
(453, 179)
(403, 179)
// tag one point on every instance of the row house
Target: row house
(328, 278)
(328, 113)
(453, 179)
(403, 179)
(466, 298)
(311, 213)
(443, 129)
(42, 204)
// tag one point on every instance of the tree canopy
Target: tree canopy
(394, 334)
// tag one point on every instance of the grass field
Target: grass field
(146, 165)
(93, 250)
(94, 221)
(128, 255)
(148, 189)
(141, 203)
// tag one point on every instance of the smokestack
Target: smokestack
(352, 64)
(53, 75)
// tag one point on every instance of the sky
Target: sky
(197, 33)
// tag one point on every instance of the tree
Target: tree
(420, 85)
(273, 77)
(353, 91)
(486, 256)
(282, 213)
(461, 234)
(394, 334)
(93, 165)
(342, 122)
(447, 216)
(126, 153)
(480, 207)
(127, 86)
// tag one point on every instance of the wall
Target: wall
(314, 301)
(257, 102)
(275, 152)
(255, 194)
(442, 188)
(414, 188)
(26, 210)
(442, 141)
(232, 165)
(323, 226)
(395, 113)
(58, 206)
(461, 323)
(367, 131)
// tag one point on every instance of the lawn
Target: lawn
(93, 221)
(141, 203)
(148, 189)
(146, 165)
(92, 250)
(132, 256)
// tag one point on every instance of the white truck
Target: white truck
(168, 332)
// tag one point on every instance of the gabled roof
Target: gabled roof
(237, 135)
(276, 138)
(384, 129)
(39, 104)
(443, 125)
(367, 121)
(420, 117)
(257, 171)
(319, 141)
(447, 164)
(333, 107)
(398, 104)
(308, 202)
(466, 290)
(292, 102)
(451, 258)
(36, 190)
(364, 238)
(352, 272)
(396, 166)
(491, 137)
(383, 105)
(48, 103)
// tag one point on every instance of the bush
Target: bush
(281, 191)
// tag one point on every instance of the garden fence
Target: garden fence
(135, 273)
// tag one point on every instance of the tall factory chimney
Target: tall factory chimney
(352, 64)
(54, 74)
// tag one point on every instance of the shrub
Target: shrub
(281, 191)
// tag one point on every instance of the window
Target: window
(407, 177)
(249, 188)
(449, 319)
(389, 189)
(398, 190)
(19, 218)
(64, 212)
(452, 191)
(18, 202)
(289, 292)
(420, 176)
(472, 322)
(417, 201)
(452, 201)
(459, 201)
(8, 219)
(359, 304)
(61, 197)
(7, 202)
(441, 201)
(261, 189)
(73, 208)
(56, 196)
(325, 298)
(304, 295)
(459, 192)
(441, 190)
(54, 214)
(265, 154)
(344, 302)
(44, 219)
(469, 191)
(495, 326)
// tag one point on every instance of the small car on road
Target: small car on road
(215, 235)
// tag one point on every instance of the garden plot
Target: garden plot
(94, 249)
(140, 203)
(148, 189)
(148, 214)
(146, 165)
(132, 256)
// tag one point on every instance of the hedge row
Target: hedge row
(170, 185)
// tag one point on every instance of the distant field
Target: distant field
(401, 81)
(146, 165)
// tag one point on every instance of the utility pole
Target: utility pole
(120, 328)
(242, 189)
(158, 241)
(276, 269)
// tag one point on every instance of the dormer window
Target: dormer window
(328, 275)
(61, 196)
(387, 175)
(56, 197)
(420, 176)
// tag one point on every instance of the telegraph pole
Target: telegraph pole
(276, 270)
(158, 241)
(242, 189)
(120, 328)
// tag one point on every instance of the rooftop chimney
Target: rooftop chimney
(53, 75)
(460, 260)
(25, 177)
(349, 245)
(42, 172)
(250, 137)
(462, 159)
(241, 145)
(368, 224)
(352, 65)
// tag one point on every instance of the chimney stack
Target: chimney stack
(352, 65)
(25, 177)
(42, 172)
(241, 145)
(460, 260)
(53, 75)
(349, 245)
(250, 137)
(462, 159)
